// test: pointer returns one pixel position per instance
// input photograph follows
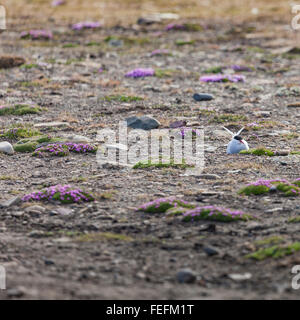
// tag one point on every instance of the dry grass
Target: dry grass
(22, 13)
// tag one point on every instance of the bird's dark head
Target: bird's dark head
(239, 138)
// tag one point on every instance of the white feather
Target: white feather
(240, 132)
(229, 131)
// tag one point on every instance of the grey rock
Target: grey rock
(202, 97)
(35, 209)
(6, 147)
(115, 43)
(64, 211)
(282, 153)
(76, 138)
(274, 210)
(186, 276)
(36, 234)
(10, 202)
(15, 292)
(143, 122)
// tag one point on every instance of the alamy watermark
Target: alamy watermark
(296, 19)
(2, 18)
(161, 146)
(2, 278)
(296, 278)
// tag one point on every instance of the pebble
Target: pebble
(202, 97)
(6, 147)
(240, 277)
(210, 251)
(210, 149)
(209, 176)
(118, 146)
(36, 234)
(7, 62)
(274, 210)
(64, 211)
(143, 122)
(186, 276)
(282, 153)
(115, 43)
(17, 214)
(294, 105)
(51, 124)
(77, 138)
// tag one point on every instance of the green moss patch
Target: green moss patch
(272, 186)
(184, 42)
(294, 220)
(19, 110)
(149, 164)
(31, 144)
(163, 73)
(259, 152)
(19, 132)
(176, 211)
(228, 117)
(215, 213)
(269, 241)
(161, 205)
(120, 98)
(103, 236)
(214, 70)
(275, 252)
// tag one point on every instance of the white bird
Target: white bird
(237, 143)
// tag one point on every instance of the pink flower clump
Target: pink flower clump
(223, 78)
(214, 213)
(140, 72)
(62, 193)
(159, 52)
(37, 34)
(86, 25)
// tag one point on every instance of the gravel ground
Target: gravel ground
(107, 250)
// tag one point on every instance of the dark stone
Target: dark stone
(144, 123)
(7, 62)
(186, 276)
(202, 97)
(178, 124)
(145, 21)
(48, 262)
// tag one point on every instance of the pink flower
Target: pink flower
(140, 72)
